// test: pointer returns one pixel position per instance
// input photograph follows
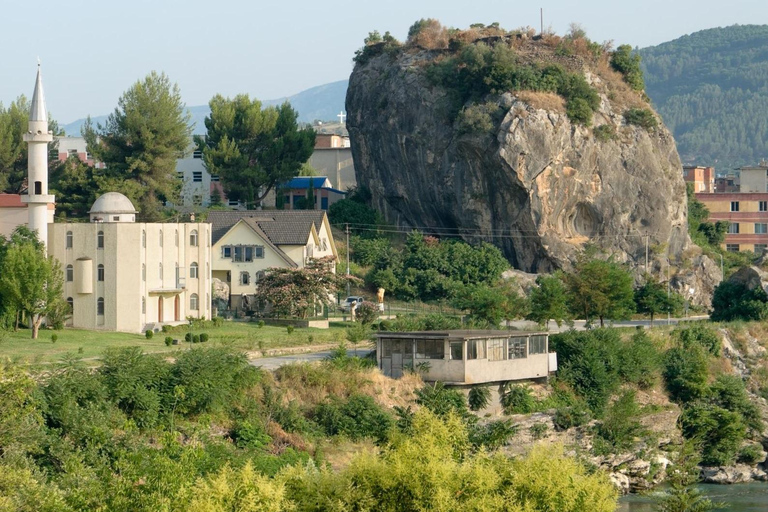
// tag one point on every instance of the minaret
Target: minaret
(37, 138)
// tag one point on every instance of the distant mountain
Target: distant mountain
(323, 102)
(711, 88)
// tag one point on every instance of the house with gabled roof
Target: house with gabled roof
(247, 243)
(294, 193)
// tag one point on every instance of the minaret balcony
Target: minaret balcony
(38, 137)
(38, 198)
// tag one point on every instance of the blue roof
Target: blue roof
(301, 182)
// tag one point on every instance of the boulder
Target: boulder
(535, 184)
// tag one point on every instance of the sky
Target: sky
(92, 51)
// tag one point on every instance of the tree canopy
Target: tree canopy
(140, 142)
(600, 288)
(253, 149)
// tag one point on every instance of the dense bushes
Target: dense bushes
(356, 417)
(627, 63)
(641, 117)
(734, 301)
(478, 69)
(594, 363)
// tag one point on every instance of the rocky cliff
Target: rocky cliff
(524, 176)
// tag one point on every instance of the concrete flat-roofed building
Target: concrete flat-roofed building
(13, 213)
(747, 214)
(702, 178)
(467, 357)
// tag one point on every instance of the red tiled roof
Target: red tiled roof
(11, 201)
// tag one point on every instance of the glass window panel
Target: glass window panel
(457, 350)
(538, 345)
(496, 349)
(517, 347)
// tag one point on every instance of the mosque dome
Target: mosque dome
(113, 207)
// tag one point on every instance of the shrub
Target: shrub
(701, 335)
(479, 397)
(195, 338)
(750, 454)
(685, 373)
(570, 416)
(260, 324)
(442, 401)
(188, 337)
(168, 341)
(149, 334)
(639, 361)
(54, 338)
(247, 434)
(289, 329)
(728, 392)
(358, 417)
(538, 430)
(366, 312)
(579, 111)
(517, 399)
(478, 118)
(719, 432)
(218, 321)
(641, 117)
(733, 301)
(203, 337)
(493, 435)
(627, 63)
(604, 132)
(620, 425)
(166, 328)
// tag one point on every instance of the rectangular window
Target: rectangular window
(457, 350)
(760, 249)
(430, 349)
(496, 349)
(258, 252)
(734, 206)
(214, 177)
(732, 247)
(197, 176)
(248, 254)
(761, 228)
(537, 345)
(517, 348)
(226, 251)
(238, 255)
(234, 202)
(245, 278)
(762, 206)
(733, 228)
(475, 349)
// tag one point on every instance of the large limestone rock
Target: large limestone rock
(536, 185)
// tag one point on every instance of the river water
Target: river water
(751, 497)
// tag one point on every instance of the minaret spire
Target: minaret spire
(37, 138)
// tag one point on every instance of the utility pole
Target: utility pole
(668, 280)
(542, 20)
(646, 254)
(348, 283)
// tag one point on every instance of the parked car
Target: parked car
(350, 301)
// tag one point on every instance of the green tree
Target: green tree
(681, 495)
(310, 200)
(30, 281)
(490, 305)
(653, 298)
(141, 141)
(627, 63)
(75, 186)
(14, 121)
(252, 149)
(602, 289)
(734, 301)
(549, 301)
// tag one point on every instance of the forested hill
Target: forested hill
(711, 88)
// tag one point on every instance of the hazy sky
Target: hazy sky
(92, 51)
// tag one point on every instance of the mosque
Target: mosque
(120, 275)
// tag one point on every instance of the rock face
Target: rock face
(536, 185)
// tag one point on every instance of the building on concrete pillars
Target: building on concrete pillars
(37, 138)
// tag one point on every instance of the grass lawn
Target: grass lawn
(20, 347)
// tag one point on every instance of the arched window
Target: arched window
(70, 239)
(193, 270)
(143, 272)
(193, 302)
(100, 306)
(100, 240)
(177, 238)
(161, 238)
(70, 273)
(143, 305)
(100, 273)
(71, 304)
(193, 238)
(160, 273)
(144, 238)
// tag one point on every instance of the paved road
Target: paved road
(272, 363)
